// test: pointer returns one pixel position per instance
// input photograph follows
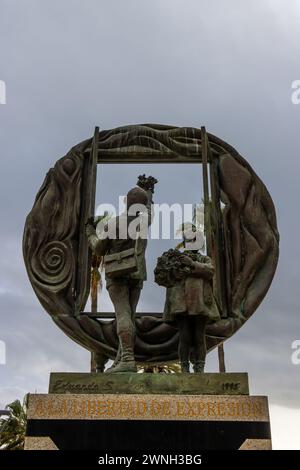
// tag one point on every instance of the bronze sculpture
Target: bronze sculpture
(125, 265)
(58, 260)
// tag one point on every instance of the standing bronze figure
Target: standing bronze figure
(190, 303)
(122, 242)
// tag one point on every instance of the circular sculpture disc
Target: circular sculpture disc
(53, 231)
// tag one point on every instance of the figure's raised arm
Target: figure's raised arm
(98, 245)
(148, 183)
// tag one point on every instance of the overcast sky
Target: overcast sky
(70, 65)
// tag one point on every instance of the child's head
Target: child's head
(193, 238)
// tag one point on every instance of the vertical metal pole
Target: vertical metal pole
(218, 256)
(207, 220)
(221, 357)
(88, 191)
(206, 156)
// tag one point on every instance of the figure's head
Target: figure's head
(193, 238)
(136, 195)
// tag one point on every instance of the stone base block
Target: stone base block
(152, 422)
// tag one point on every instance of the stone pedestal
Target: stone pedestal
(157, 412)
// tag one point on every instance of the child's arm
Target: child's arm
(204, 270)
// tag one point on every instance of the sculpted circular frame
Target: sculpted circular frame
(53, 238)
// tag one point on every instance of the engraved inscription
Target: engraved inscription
(92, 387)
(147, 407)
(231, 386)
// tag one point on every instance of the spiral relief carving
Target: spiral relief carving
(51, 233)
(51, 238)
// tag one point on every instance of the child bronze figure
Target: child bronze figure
(190, 303)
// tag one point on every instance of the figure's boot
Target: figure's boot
(116, 361)
(199, 367)
(127, 361)
(185, 367)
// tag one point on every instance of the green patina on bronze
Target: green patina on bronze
(127, 383)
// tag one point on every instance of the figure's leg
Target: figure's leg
(184, 343)
(119, 295)
(199, 342)
(134, 295)
(118, 355)
(117, 358)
